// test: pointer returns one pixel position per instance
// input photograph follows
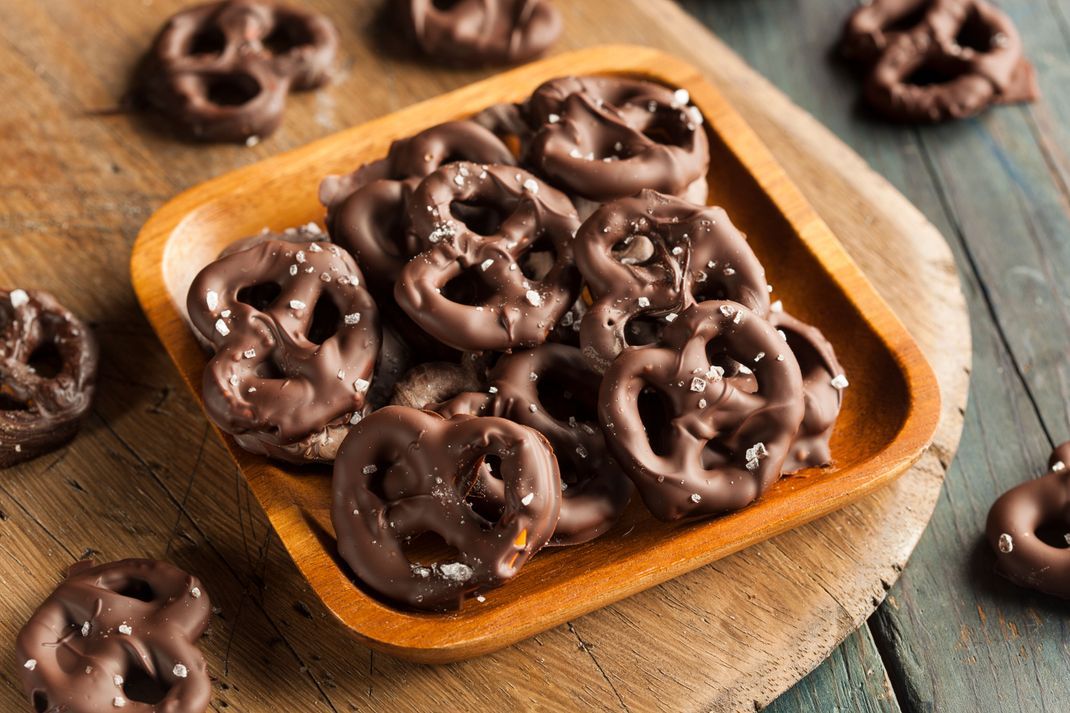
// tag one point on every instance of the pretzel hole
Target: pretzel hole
(715, 455)
(46, 361)
(537, 262)
(40, 702)
(207, 41)
(655, 412)
(428, 548)
(975, 33)
(668, 129)
(643, 330)
(287, 36)
(445, 5)
(139, 685)
(1053, 534)
(934, 71)
(633, 250)
(133, 588)
(468, 289)
(563, 397)
(232, 89)
(326, 320)
(480, 217)
(268, 369)
(260, 296)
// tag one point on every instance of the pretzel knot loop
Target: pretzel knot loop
(223, 70)
(296, 337)
(552, 390)
(48, 362)
(648, 258)
(703, 425)
(606, 138)
(404, 473)
(497, 272)
(938, 59)
(118, 635)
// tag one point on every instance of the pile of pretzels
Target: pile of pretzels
(512, 324)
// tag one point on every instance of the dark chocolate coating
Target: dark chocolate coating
(403, 472)
(511, 284)
(653, 255)
(709, 447)
(367, 210)
(287, 378)
(604, 138)
(117, 636)
(481, 32)
(596, 490)
(872, 26)
(222, 70)
(987, 69)
(819, 366)
(42, 402)
(1020, 517)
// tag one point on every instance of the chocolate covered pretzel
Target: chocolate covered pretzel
(602, 138)
(403, 473)
(691, 441)
(1028, 528)
(646, 259)
(367, 210)
(824, 382)
(296, 337)
(222, 70)
(938, 59)
(478, 32)
(552, 390)
(116, 636)
(497, 273)
(48, 369)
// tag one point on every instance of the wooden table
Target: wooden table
(951, 636)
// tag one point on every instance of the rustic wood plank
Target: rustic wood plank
(77, 180)
(1012, 647)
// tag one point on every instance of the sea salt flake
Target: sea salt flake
(671, 317)
(698, 385)
(581, 451)
(485, 265)
(533, 408)
(211, 298)
(361, 385)
(759, 357)
(249, 353)
(839, 381)
(777, 306)
(119, 701)
(533, 297)
(30, 664)
(234, 380)
(180, 670)
(553, 118)
(492, 390)
(457, 571)
(117, 680)
(1057, 466)
(1006, 543)
(85, 629)
(729, 271)
(341, 374)
(527, 499)
(195, 592)
(445, 230)
(300, 256)
(677, 250)
(715, 373)
(480, 598)
(352, 318)
(369, 469)
(297, 304)
(126, 629)
(531, 186)
(727, 310)
(644, 302)
(680, 98)
(696, 498)
(221, 327)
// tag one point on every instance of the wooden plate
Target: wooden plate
(890, 411)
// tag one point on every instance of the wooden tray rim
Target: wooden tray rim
(407, 635)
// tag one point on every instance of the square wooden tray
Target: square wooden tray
(889, 415)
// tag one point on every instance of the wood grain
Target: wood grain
(77, 181)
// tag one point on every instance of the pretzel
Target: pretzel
(403, 473)
(478, 32)
(48, 365)
(923, 73)
(552, 390)
(648, 258)
(367, 210)
(222, 70)
(692, 442)
(118, 636)
(1029, 529)
(296, 337)
(498, 271)
(824, 382)
(602, 138)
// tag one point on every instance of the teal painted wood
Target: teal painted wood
(955, 637)
(852, 680)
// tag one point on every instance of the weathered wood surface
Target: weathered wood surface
(146, 479)
(954, 636)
